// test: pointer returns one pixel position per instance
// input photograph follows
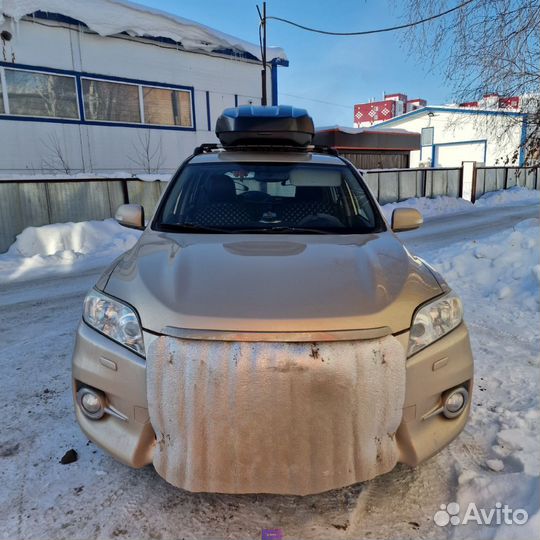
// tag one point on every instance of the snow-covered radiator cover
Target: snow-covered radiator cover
(288, 418)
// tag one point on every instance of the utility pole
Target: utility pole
(264, 99)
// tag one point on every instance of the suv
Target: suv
(269, 333)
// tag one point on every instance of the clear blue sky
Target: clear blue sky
(341, 70)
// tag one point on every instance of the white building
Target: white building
(451, 135)
(107, 85)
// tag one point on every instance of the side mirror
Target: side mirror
(130, 215)
(406, 219)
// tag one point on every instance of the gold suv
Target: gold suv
(269, 333)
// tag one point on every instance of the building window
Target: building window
(427, 136)
(111, 102)
(167, 107)
(41, 94)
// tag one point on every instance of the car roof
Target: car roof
(221, 156)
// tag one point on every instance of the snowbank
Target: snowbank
(109, 17)
(498, 279)
(430, 207)
(65, 248)
(443, 205)
(508, 196)
(504, 268)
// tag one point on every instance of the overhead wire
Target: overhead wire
(375, 31)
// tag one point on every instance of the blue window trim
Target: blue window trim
(453, 143)
(208, 117)
(274, 75)
(522, 142)
(82, 121)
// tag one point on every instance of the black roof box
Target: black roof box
(249, 125)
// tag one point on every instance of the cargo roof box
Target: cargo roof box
(260, 126)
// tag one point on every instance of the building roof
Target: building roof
(447, 109)
(110, 17)
(372, 138)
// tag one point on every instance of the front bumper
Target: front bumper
(103, 364)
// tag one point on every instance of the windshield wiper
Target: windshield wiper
(282, 229)
(193, 227)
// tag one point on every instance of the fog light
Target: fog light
(455, 401)
(91, 402)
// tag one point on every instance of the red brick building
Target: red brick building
(367, 114)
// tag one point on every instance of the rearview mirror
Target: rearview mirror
(406, 219)
(130, 215)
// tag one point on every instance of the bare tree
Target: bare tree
(148, 154)
(56, 158)
(486, 46)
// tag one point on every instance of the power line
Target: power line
(317, 100)
(378, 31)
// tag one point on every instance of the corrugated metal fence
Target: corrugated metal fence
(400, 184)
(25, 203)
(488, 179)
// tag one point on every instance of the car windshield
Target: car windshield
(268, 198)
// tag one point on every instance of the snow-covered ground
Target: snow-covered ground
(490, 256)
(443, 205)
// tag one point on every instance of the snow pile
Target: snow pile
(110, 17)
(503, 268)
(508, 196)
(65, 247)
(430, 207)
(443, 205)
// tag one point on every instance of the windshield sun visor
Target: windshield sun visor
(311, 177)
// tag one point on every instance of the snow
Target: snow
(98, 497)
(442, 205)
(508, 196)
(430, 207)
(505, 267)
(495, 464)
(64, 248)
(110, 17)
(114, 175)
(355, 131)
(498, 278)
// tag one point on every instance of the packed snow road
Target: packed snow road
(489, 256)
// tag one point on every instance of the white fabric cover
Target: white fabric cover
(288, 418)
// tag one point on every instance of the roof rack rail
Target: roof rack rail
(325, 150)
(210, 147)
(206, 147)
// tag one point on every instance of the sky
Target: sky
(339, 71)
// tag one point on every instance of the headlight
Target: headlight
(433, 321)
(114, 319)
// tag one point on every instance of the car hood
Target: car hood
(271, 283)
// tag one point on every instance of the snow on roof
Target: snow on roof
(372, 129)
(109, 17)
